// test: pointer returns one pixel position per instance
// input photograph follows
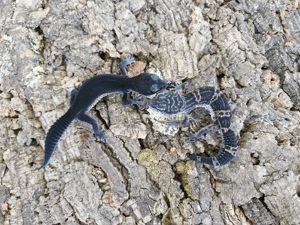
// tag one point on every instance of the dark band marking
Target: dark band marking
(211, 99)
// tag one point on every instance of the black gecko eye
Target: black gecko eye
(154, 88)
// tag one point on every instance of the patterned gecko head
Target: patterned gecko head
(148, 84)
(170, 103)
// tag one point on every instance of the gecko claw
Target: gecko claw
(100, 135)
(191, 138)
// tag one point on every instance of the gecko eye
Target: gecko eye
(154, 88)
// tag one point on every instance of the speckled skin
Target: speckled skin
(172, 103)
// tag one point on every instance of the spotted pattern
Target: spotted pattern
(172, 103)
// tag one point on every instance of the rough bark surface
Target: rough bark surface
(248, 48)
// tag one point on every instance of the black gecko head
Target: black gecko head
(148, 84)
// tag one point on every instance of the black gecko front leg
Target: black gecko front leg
(123, 68)
(123, 65)
(126, 101)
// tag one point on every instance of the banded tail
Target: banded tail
(54, 134)
(226, 154)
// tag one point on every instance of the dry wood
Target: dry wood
(249, 49)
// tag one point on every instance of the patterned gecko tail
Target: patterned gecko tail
(54, 134)
(224, 156)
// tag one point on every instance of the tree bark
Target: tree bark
(248, 49)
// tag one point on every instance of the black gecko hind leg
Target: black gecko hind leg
(123, 68)
(127, 101)
(226, 154)
(203, 131)
(137, 101)
(73, 95)
(87, 119)
(123, 65)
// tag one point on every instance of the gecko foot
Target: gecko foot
(142, 104)
(100, 135)
(123, 65)
(191, 138)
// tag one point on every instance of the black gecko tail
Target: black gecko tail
(54, 134)
(224, 156)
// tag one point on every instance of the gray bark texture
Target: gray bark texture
(247, 48)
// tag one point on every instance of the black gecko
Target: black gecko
(172, 103)
(94, 89)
